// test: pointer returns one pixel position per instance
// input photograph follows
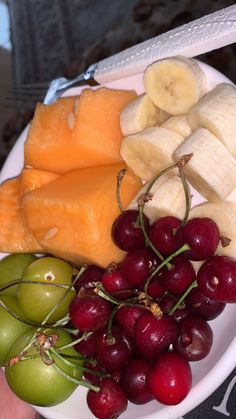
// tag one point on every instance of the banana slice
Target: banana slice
(216, 111)
(212, 169)
(139, 114)
(175, 84)
(224, 214)
(150, 151)
(167, 198)
(179, 124)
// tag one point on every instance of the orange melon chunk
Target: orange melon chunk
(31, 179)
(15, 235)
(77, 132)
(72, 216)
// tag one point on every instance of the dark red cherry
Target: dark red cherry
(89, 277)
(127, 233)
(91, 375)
(156, 288)
(87, 346)
(133, 381)
(162, 234)
(204, 306)
(89, 313)
(109, 402)
(195, 338)
(138, 264)
(179, 276)
(202, 235)
(114, 281)
(127, 316)
(168, 302)
(154, 335)
(170, 379)
(217, 279)
(113, 352)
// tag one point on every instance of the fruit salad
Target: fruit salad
(113, 277)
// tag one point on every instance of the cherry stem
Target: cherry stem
(72, 379)
(110, 338)
(91, 361)
(74, 342)
(186, 193)
(120, 177)
(75, 365)
(12, 283)
(179, 302)
(162, 264)
(148, 241)
(145, 198)
(102, 293)
(28, 322)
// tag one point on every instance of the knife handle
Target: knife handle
(205, 34)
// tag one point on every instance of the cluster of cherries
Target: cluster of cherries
(145, 319)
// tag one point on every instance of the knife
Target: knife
(202, 35)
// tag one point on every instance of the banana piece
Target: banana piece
(150, 151)
(216, 111)
(179, 124)
(167, 198)
(224, 215)
(212, 169)
(139, 114)
(175, 84)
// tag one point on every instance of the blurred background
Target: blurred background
(41, 39)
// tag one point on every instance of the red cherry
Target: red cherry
(127, 233)
(217, 279)
(162, 234)
(152, 335)
(133, 381)
(127, 316)
(89, 313)
(109, 402)
(170, 379)
(115, 281)
(202, 235)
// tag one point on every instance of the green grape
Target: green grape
(10, 327)
(38, 300)
(12, 268)
(37, 383)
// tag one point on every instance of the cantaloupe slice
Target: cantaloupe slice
(31, 179)
(72, 216)
(77, 132)
(15, 235)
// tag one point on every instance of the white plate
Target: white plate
(209, 373)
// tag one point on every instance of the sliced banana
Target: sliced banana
(139, 114)
(212, 169)
(216, 111)
(167, 198)
(224, 215)
(175, 84)
(150, 151)
(179, 124)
